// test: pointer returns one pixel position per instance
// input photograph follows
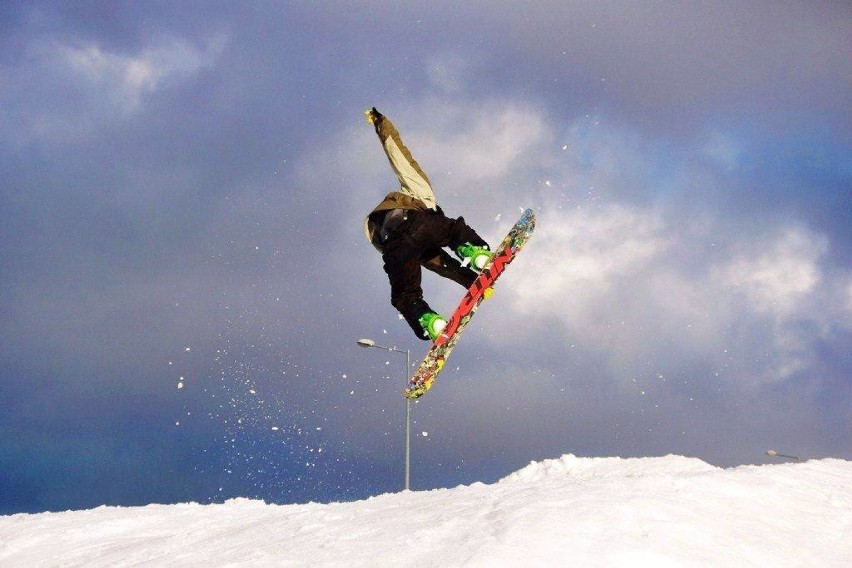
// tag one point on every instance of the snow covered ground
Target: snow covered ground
(667, 511)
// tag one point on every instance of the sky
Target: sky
(185, 276)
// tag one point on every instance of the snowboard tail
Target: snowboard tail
(425, 375)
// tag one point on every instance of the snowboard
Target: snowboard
(425, 375)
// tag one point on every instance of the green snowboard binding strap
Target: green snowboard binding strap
(475, 257)
(433, 323)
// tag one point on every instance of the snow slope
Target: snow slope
(667, 511)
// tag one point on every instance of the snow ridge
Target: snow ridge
(663, 511)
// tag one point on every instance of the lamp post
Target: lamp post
(370, 343)
(774, 454)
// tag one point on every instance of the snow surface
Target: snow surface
(666, 511)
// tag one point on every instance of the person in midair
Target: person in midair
(411, 230)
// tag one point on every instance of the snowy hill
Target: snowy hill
(668, 511)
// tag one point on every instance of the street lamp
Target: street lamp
(774, 454)
(370, 343)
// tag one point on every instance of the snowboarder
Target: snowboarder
(410, 230)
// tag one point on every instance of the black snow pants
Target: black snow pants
(418, 242)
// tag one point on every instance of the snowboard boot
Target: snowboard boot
(433, 324)
(475, 257)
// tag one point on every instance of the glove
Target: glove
(373, 116)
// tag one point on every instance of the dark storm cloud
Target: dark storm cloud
(183, 189)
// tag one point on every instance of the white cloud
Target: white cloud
(580, 256)
(778, 274)
(66, 92)
(623, 280)
(470, 143)
(126, 78)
